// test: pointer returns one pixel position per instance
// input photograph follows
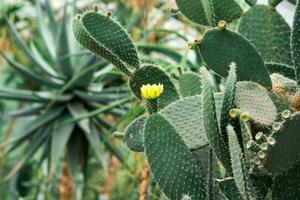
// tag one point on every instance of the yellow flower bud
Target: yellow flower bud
(222, 24)
(152, 91)
(244, 117)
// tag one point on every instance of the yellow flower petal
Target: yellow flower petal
(152, 91)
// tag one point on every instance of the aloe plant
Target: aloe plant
(66, 112)
(240, 142)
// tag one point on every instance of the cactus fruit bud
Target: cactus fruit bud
(253, 146)
(260, 137)
(245, 117)
(261, 154)
(234, 113)
(118, 135)
(173, 11)
(194, 44)
(257, 161)
(276, 126)
(271, 141)
(286, 114)
(109, 14)
(222, 24)
(78, 16)
(264, 146)
(95, 7)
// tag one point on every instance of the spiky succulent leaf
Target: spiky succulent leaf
(211, 125)
(285, 153)
(107, 38)
(134, 134)
(269, 32)
(210, 12)
(295, 42)
(253, 98)
(173, 166)
(219, 48)
(189, 84)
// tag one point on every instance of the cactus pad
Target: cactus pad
(134, 134)
(285, 153)
(253, 98)
(207, 12)
(189, 84)
(171, 163)
(295, 42)
(211, 125)
(107, 38)
(271, 40)
(285, 70)
(151, 74)
(219, 48)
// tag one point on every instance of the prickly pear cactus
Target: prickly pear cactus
(243, 108)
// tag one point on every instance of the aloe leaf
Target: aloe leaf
(44, 30)
(35, 125)
(59, 140)
(63, 47)
(44, 66)
(77, 110)
(28, 74)
(51, 17)
(25, 112)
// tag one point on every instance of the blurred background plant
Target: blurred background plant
(50, 86)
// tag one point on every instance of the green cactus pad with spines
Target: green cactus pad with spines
(151, 74)
(189, 84)
(219, 48)
(285, 153)
(229, 189)
(238, 168)
(287, 185)
(210, 122)
(274, 3)
(285, 70)
(253, 98)
(134, 134)
(269, 32)
(194, 10)
(295, 42)
(251, 2)
(107, 38)
(228, 102)
(171, 163)
(206, 12)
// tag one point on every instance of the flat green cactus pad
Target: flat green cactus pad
(189, 84)
(238, 168)
(229, 189)
(171, 163)
(287, 185)
(295, 42)
(210, 12)
(151, 74)
(211, 125)
(285, 153)
(269, 32)
(283, 69)
(253, 98)
(134, 134)
(219, 48)
(107, 38)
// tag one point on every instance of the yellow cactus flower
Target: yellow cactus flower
(152, 91)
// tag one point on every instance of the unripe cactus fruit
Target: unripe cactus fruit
(222, 24)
